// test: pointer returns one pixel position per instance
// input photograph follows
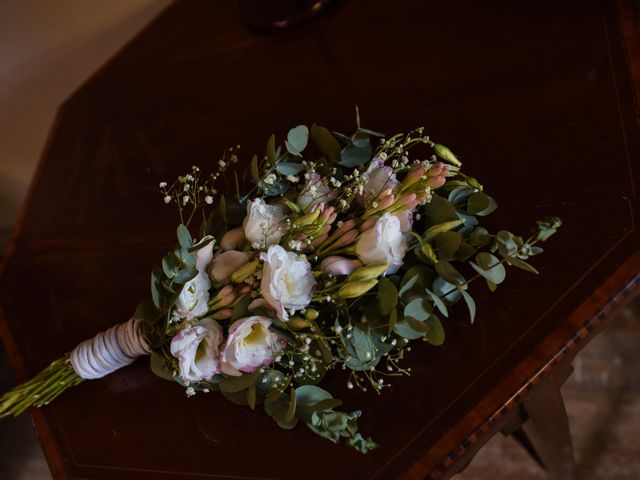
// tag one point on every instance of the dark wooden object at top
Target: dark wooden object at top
(538, 98)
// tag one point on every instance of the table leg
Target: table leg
(547, 429)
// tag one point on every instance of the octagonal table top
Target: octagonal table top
(537, 98)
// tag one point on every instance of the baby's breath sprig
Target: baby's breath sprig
(191, 193)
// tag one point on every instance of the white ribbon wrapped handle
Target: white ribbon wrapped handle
(109, 350)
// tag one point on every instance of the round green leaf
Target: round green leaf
(480, 204)
(420, 309)
(435, 336)
(297, 139)
(489, 267)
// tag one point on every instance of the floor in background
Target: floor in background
(602, 399)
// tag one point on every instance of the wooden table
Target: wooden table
(539, 100)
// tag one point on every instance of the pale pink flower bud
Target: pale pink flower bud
(225, 264)
(438, 169)
(346, 226)
(224, 291)
(336, 265)
(233, 240)
(223, 314)
(415, 174)
(227, 300)
(407, 199)
(328, 212)
(436, 182)
(385, 202)
(346, 239)
(319, 240)
(243, 290)
(369, 223)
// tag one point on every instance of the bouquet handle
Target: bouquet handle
(94, 358)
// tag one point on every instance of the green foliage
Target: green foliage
(489, 267)
(361, 320)
(481, 204)
(326, 142)
(297, 139)
(547, 227)
(184, 237)
(387, 296)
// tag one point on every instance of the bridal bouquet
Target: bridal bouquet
(342, 251)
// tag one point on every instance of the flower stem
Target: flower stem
(41, 389)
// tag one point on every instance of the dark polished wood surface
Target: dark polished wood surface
(538, 100)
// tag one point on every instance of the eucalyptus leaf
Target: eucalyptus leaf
(437, 301)
(404, 329)
(184, 275)
(251, 396)
(547, 227)
(326, 142)
(459, 195)
(447, 292)
(471, 304)
(344, 139)
(289, 168)
(479, 237)
(255, 175)
(278, 187)
(387, 295)
(360, 139)
(354, 156)
(516, 262)
(449, 273)
(435, 336)
(439, 210)
(408, 285)
(417, 325)
(241, 309)
(159, 367)
(271, 150)
(184, 237)
(447, 244)
(420, 309)
(291, 411)
(297, 139)
(156, 292)
(239, 398)
(481, 204)
(237, 384)
(372, 133)
(170, 265)
(393, 319)
(490, 267)
(440, 228)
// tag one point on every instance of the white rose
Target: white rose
(204, 255)
(262, 225)
(226, 263)
(250, 344)
(192, 301)
(378, 178)
(197, 349)
(384, 243)
(406, 220)
(287, 280)
(315, 191)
